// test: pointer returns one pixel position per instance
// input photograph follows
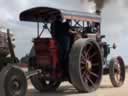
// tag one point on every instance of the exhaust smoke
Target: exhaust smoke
(99, 4)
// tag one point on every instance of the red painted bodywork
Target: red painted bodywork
(47, 54)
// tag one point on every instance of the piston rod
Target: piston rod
(33, 73)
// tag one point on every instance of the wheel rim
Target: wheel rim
(91, 65)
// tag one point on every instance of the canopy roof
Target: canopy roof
(47, 14)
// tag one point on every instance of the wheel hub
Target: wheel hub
(117, 71)
(16, 85)
(88, 65)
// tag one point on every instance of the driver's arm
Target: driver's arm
(72, 31)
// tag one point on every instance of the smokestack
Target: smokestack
(99, 5)
(98, 12)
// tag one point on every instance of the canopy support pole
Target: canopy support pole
(38, 29)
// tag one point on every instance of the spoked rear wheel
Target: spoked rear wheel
(117, 71)
(40, 83)
(85, 65)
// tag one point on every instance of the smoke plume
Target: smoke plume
(99, 4)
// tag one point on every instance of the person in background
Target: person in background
(88, 28)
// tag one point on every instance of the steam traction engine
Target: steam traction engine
(84, 66)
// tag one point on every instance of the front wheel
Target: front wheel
(13, 81)
(117, 71)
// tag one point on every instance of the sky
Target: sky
(114, 22)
